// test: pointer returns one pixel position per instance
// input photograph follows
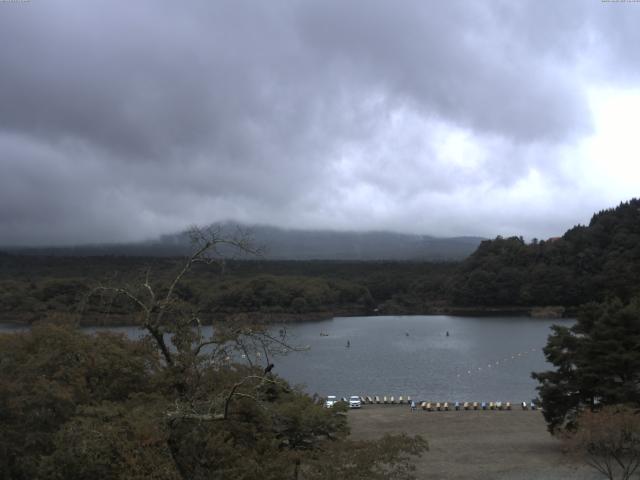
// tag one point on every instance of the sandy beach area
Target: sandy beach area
(483, 445)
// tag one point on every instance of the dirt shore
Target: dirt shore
(482, 445)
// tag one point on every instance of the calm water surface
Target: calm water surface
(487, 358)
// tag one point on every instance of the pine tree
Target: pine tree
(597, 362)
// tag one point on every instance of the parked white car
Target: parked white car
(354, 401)
(330, 401)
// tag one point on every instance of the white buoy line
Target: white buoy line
(492, 365)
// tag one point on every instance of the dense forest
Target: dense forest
(588, 263)
(35, 287)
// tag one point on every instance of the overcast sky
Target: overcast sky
(121, 121)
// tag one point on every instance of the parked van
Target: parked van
(331, 401)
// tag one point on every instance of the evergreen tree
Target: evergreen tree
(597, 362)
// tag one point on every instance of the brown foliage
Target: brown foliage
(609, 440)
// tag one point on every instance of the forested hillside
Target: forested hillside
(587, 263)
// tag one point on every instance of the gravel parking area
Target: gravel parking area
(483, 445)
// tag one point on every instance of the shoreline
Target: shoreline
(549, 312)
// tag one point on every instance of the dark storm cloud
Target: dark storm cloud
(125, 120)
(453, 59)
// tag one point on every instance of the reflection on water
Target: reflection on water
(488, 358)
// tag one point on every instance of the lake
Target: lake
(482, 359)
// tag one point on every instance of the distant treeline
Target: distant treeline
(36, 287)
(588, 263)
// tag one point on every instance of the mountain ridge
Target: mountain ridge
(291, 244)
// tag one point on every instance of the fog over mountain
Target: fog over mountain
(285, 244)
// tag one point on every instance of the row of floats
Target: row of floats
(445, 406)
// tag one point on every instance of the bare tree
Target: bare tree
(609, 440)
(176, 329)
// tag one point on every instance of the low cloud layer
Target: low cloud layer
(122, 121)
